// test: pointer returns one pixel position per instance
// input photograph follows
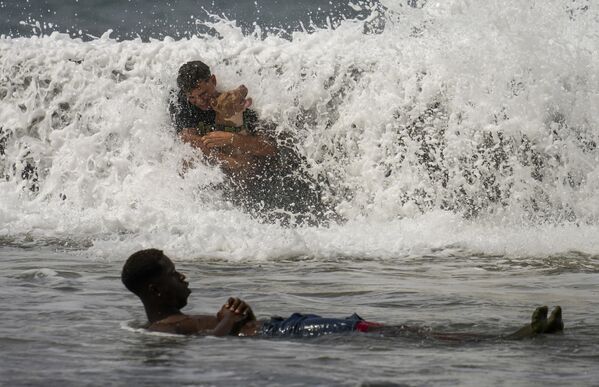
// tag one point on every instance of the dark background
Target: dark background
(176, 18)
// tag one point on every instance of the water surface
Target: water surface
(68, 319)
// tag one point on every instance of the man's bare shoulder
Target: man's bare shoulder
(184, 324)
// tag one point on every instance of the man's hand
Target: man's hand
(190, 136)
(236, 308)
(232, 316)
(219, 139)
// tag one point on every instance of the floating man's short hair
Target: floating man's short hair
(140, 268)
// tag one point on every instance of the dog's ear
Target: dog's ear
(213, 103)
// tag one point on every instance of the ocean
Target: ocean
(455, 142)
(176, 18)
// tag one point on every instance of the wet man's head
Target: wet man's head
(191, 73)
(151, 275)
(197, 83)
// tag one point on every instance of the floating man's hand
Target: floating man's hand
(237, 306)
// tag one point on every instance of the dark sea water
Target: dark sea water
(457, 141)
(152, 19)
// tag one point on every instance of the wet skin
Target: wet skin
(203, 94)
(167, 293)
(541, 324)
(234, 318)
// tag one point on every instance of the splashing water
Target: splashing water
(459, 123)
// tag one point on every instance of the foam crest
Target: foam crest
(456, 123)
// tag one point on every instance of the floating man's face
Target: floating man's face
(171, 285)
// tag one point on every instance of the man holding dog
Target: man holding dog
(264, 178)
(195, 121)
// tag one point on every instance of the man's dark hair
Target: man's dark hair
(191, 73)
(140, 268)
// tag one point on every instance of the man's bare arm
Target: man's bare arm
(253, 145)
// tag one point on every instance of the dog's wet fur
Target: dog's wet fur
(229, 106)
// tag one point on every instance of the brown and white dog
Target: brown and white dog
(229, 106)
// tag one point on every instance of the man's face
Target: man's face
(172, 286)
(204, 92)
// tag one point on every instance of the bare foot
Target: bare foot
(555, 323)
(538, 322)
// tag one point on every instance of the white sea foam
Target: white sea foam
(462, 124)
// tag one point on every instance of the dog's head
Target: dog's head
(230, 103)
